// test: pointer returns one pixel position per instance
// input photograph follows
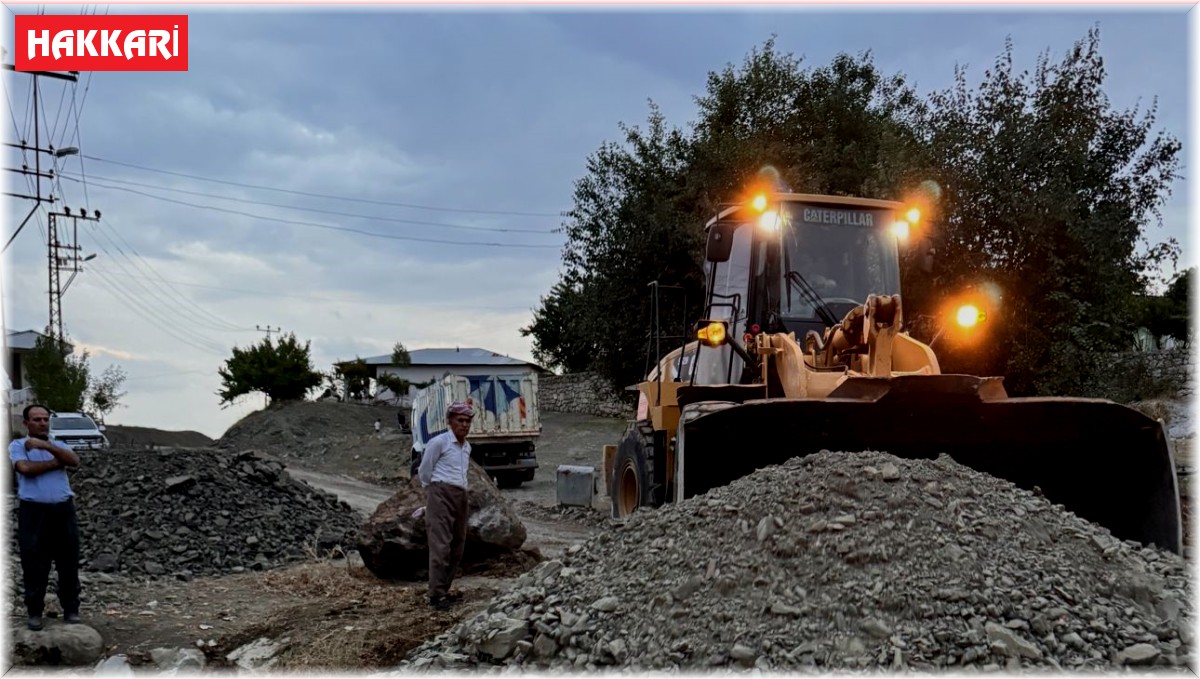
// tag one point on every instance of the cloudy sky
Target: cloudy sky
(243, 192)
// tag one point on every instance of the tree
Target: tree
(400, 356)
(394, 383)
(639, 211)
(558, 341)
(1045, 193)
(283, 371)
(1168, 315)
(59, 378)
(356, 375)
(1039, 195)
(105, 393)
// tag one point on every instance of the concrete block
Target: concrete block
(576, 485)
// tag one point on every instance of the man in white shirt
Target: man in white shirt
(443, 474)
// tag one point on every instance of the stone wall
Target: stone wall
(583, 393)
(1139, 375)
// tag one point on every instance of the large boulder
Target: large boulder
(57, 644)
(393, 545)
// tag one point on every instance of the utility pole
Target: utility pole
(64, 257)
(36, 171)
(60, 256)
(268, 330)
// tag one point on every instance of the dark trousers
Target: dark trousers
(446, 512)
(49, 533)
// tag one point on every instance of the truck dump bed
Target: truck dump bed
(505, 408)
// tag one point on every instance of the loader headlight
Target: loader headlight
(900, 230)
(712, 333)
(969, 315)
(759, 202)
(769, 221)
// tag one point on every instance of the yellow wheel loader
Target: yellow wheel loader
(802, 348)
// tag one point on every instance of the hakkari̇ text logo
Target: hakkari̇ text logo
(142, 42)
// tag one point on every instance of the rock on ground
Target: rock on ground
(392, 543)
(57, 644)
(183, 513)
(840, 561)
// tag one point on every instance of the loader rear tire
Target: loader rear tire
(632, 471)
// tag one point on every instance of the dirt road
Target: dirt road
(362, 496)
(550, 537)
(568, 439)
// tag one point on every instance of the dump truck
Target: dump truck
(505, 429)
(802, 347)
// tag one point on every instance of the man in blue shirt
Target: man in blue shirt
(47, 530)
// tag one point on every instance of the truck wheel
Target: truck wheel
(508, 480)
(632, 468)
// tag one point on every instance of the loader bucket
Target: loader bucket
(1107, 463)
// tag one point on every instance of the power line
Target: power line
(149, 315)
(326, 195)
(318, 225)
(318, 298)
(152, 294)
(204, 317)
(303, 208)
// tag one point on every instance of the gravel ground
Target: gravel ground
(840, 562)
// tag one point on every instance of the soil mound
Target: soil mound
(337, 438)
(123, 436)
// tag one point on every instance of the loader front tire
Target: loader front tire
(632, 471)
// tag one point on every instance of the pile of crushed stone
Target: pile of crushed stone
(840, 562)
(183, 513)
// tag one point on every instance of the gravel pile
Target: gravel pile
(182, 513)
(840, 562)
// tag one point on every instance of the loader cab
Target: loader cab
(841, 249)
(843, 252)
(769, 263)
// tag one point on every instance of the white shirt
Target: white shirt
(445, 461)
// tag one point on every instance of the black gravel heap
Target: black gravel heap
(182, 513)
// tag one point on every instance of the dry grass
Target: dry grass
(327, 580)
(350, 620)
(352, 625)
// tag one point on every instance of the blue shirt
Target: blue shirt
(50, 487)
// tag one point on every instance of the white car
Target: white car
(78, 431)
